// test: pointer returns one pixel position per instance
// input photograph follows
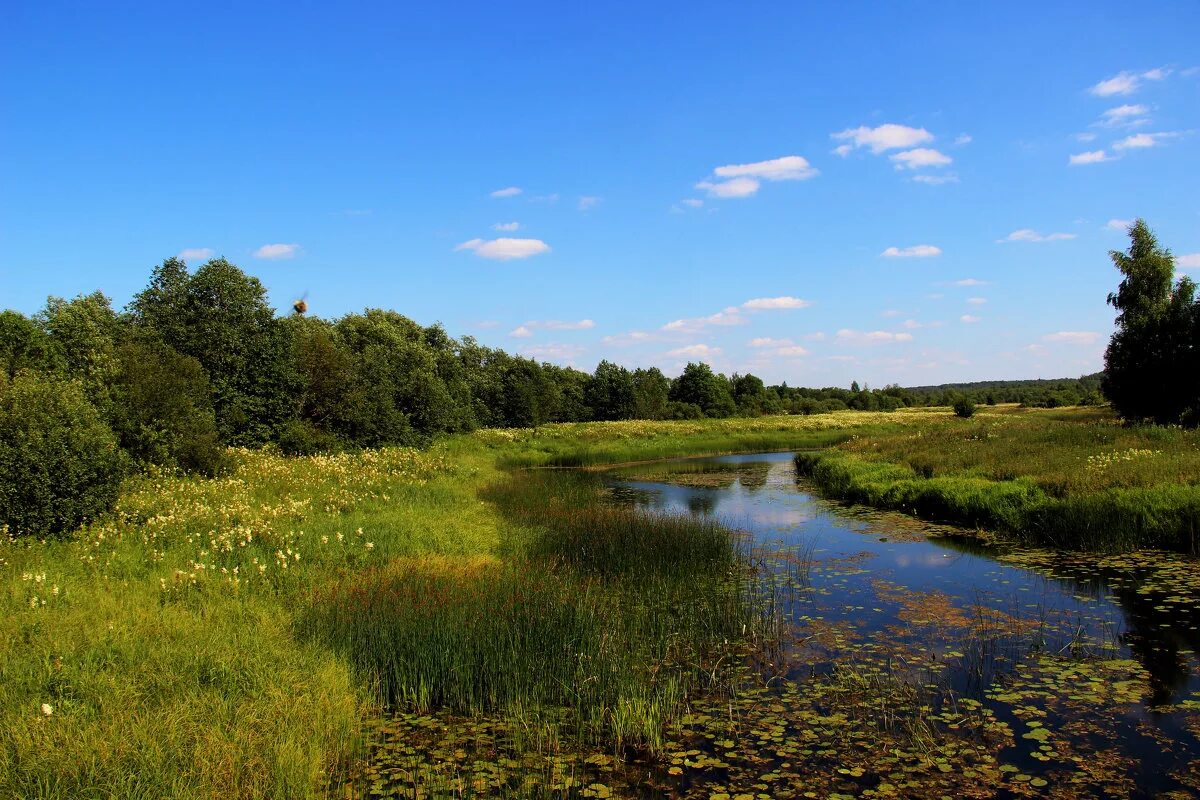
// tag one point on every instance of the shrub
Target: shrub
(301, 438)
(964, 407)
(60, 465)
(680, 410)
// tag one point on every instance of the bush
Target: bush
(302, 438)
(964, 407)
(60, 465)
(680, 410)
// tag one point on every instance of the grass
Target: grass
(1069, 479)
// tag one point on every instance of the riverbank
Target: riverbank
(1070, 479)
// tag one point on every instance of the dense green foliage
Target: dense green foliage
(964, 407)
(1152, 365)
(59, 463)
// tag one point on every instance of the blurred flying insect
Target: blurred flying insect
(301, 305)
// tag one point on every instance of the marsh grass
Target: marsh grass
(1070, 479)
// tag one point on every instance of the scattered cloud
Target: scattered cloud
(935, 180)
(767, 341)
(554, 352)
(792, 351)
(738, 187)
(968, 319)
(558, 325)
(1030, 235)
(630, 338)
(692, 202)
(1086, 136)
(730, 316)
(505, 249)
(507, 226)
(774, 303)
(916, 251)
(1124, 116)
(787, 168)
(920, 158)
(852, 337)
(696, 351)
(520, 332)
(588, 201)
(1090, 157)
(196, 253)
(486, 324)
(963, 138)
(976, 301)
(277, 252)
(970, 282)
(511, 191)
(1189, 261)
(1072, 337)
(1142, 140)
(544, 198)
(1121, 225)
(885, 137)
(1127, 82)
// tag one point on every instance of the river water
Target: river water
(1078, 672)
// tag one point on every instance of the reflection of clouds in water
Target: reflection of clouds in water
(780, 517)
(903, 560)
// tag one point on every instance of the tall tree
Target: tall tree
(1152, 364)
(610, 392)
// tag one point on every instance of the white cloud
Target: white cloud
(1142, 140)
(275, 252)
(737, 187)
(970, 282)
(814, 337)
(505, 249)
(976, 301)
(1127, 82)
(1121, 225)
(588, 201)
(554, 352)
(793, 351)
(967, 318)
(1072, 337)
(787, 168)
(884, 137)
(852, 337)
(630, 338)
(920, 158)
(1030, 235)
(963, 138)
(1123, 115)
(511, 191)
(1090, 157)
(767, 341)
(695, 350)
(912, 324)
(730, 316)
(692, 202)
(1189, 261)
(195, 253)
(559, 325)
(935, 180)
(521, 332)
(507, 226)
(916, 251)
(774, 303)
(1085, 137)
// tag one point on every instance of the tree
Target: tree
(610, 392)
(700, 387)
(1152, 364)
(650, 390)
(23, 345)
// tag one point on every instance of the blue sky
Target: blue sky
(908, 192)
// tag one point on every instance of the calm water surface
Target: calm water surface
(1099, 653)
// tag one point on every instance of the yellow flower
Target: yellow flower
(47, 709)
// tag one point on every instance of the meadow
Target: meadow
(237, 636)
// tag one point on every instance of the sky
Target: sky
(912, 193)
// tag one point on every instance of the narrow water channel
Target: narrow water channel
(1081, 671)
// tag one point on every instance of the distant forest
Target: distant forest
(199, 360)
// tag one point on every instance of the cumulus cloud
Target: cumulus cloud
(774, 303)
(885, 137)
(1030, 235)
(767, 341)
(791, 351)
(920, 158)
(510, 191)
(195, 253)
(1143, 140)
(853, 337)
(915, 251)
(737, 187)
(1086, 136)
(967, 318)
(963, 138)
(505, 249)
(630, 338)
(276, 252)
(1121, 225)
(521, 332)
(1072, 337)
(695, 351)
(976, 301)
(1189, 261)
(507, 226)
(1090, 157)
(588, 201)
(787, 168)
(729, 316)
(1124, 116)
(1126, 82)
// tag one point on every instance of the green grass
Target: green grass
(1071, 479)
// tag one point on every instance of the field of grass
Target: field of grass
(1067, 478)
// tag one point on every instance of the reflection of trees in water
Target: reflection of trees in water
(701, 502)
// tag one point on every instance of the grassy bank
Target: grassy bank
(1070, 479)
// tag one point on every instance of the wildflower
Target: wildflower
(370, 545)
(47, 709)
